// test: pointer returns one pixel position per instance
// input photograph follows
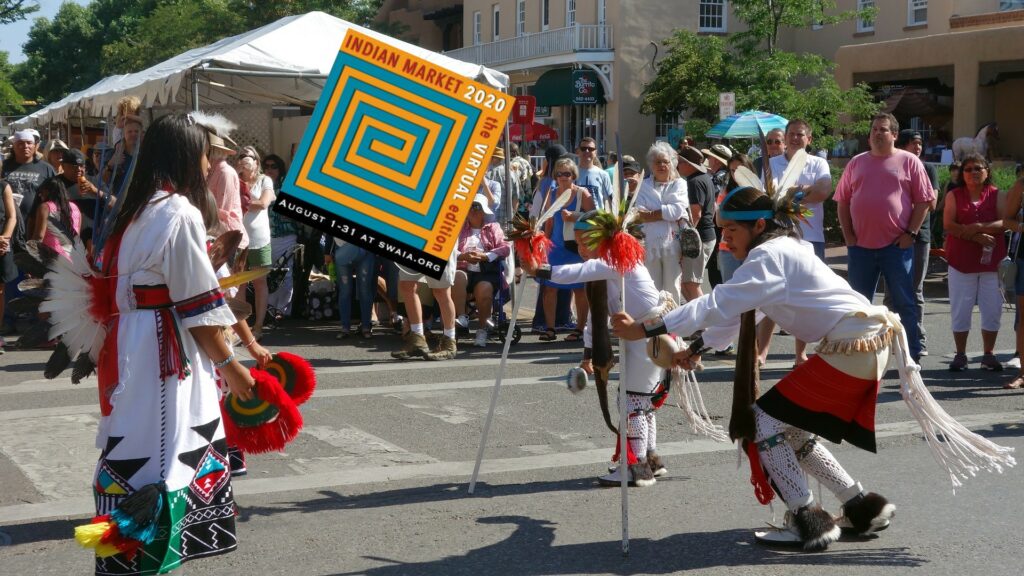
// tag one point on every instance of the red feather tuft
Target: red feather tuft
(762, 487)
(271, 436)
(623, 252)
(534, 249)
(305, 377)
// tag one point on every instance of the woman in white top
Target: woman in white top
(257, 226)
(661, 204)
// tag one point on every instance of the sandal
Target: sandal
(1015, 384)
(575, 336)
(548, 336)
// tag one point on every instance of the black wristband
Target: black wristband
(543, 272)
(588, 354)
(697, 346)
(913, 235)
(655, 327)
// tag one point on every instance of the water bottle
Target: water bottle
(986, 254)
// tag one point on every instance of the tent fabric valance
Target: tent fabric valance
(291, 56)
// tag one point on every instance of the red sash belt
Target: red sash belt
(156, 298)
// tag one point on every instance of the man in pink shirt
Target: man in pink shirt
(884, 195)
(222, 180)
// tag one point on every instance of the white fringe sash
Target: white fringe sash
(961, 452)
(691, 403)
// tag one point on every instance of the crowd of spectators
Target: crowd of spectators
(53, 193)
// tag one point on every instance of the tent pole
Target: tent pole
(195, 90)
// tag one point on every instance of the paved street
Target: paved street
(376, 483)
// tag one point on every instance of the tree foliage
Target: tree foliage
(14, 10)
(82, 44)
(698, 67)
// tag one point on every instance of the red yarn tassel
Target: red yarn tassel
(630, 455)
(534, 249)
(623, 252)
(762, 487)
(305, 378)
(172, 363)
(274, 435)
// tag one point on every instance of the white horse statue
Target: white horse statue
(984, 143)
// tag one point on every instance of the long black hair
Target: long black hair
(169, 157)
(54, 190)
(749, 199)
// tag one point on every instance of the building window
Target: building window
(520, 17)
(476, 28)
(570, 13)
(711, 16)
(668, 127)
(1005, 5)
(545, 14)
(602, 12)
(917, 12)
(496, 21)
(864, 24)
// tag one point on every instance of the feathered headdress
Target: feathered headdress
(531, 243)
(786, 196)
(615, 233)
(217, 126)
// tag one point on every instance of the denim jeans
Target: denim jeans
(895, 264)
(348, 259)
(727, 264)
(922, 250)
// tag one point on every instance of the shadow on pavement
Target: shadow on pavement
(531, 551)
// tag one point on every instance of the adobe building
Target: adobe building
(945, 67)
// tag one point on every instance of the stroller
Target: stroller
(278, 271)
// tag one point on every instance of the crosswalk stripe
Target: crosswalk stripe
(347, 475)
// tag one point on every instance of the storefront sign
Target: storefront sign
(584, 87)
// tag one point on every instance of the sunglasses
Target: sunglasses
(773, 141)
(563, 174)
(270, 167)
(588, 148)
(476, 206)
(974, 169)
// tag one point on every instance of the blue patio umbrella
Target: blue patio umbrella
(745, 125)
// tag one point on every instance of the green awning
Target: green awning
(565, 87)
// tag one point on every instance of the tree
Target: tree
(14, 10)
(697, 68)
(60, 55)
(10, 99)
(764, 18)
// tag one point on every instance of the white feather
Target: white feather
(555, 207)
(744, 177)
(793, 171)
(215, 123)
(616, 190)
(68, 301)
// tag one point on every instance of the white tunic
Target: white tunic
(671, 198)
(641, 297)
(782, 279)
(165, 428)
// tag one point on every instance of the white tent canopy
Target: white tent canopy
(284, 62)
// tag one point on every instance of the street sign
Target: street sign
(523, 109)
(726, 104)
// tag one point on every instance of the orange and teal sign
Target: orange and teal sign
(394, 153)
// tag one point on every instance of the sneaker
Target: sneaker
(413, 346)
(446, 349)
(462, 321)
(481, 338)
(990, 362)
(866, 513)
(1014, 362)
(959, 363)
(924, 350)
(810, 528)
